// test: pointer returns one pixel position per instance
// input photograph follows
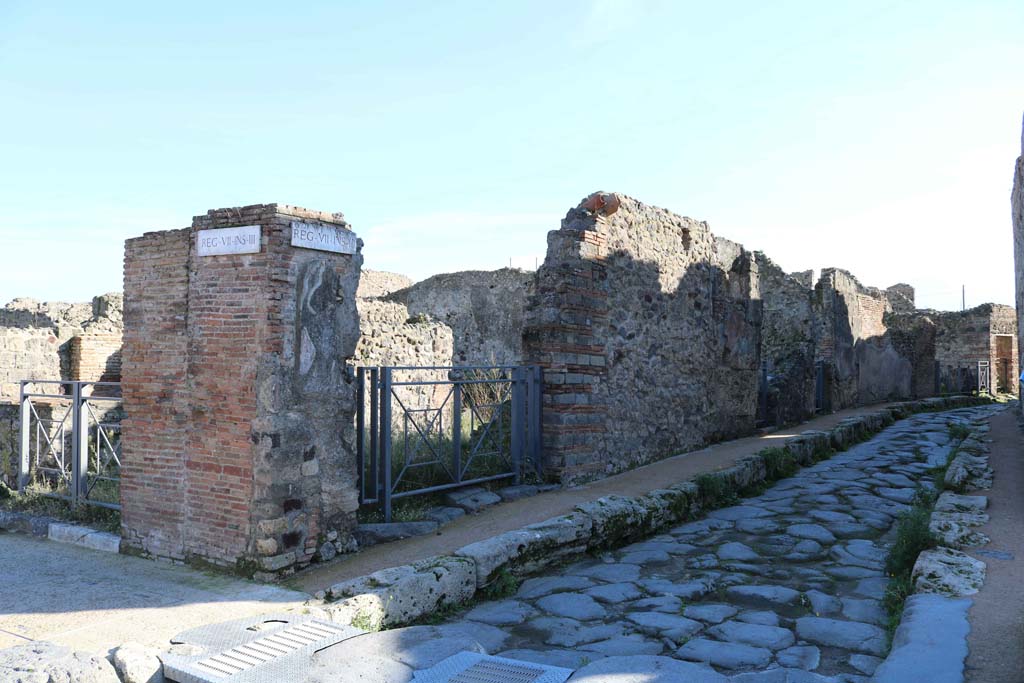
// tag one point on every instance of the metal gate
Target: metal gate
(71, 441)
(984, 376)
(428, 429)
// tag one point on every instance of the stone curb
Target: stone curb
(383, 600)
(60, 532)
(930, 643)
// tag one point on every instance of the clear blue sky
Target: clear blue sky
(875, 136)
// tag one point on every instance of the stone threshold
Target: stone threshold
(401, 595)
(60, 532)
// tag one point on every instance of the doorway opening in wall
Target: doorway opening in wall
(1005, 380)
(424, 431)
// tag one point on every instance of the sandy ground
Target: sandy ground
(515, 514)
(94, 601)
(996, 640)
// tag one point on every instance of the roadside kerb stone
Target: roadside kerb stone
(930, 643)
(402, 594)
(83, 536)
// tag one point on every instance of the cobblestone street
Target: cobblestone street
(792, 578)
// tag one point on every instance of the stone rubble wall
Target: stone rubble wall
(648, 336)
(862, 363)
(788, 342)
(374, 284)
(484, 309)
(36, 337)
(965, 337)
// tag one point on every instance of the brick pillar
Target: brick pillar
(239, 413)
(570, 304)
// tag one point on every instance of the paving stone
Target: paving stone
(830, 516)
(866, 664)
(725, 655)
(763, 617)
(739, 512)
(669, 625)
(737, 551)
(501, 613)
(614, 593)
(563, 632)
(544, 585)
(707, 561)
(710, 614)
(850, 635)
(572, 605)
(442, 514)
(646, 557)
(806, 657)
(871, 588)
(815, 532)
(899, 495)
(645, 669)
(568, 659)
(851, 573)
(772, 595)
(757, 526)
(621, 646)
(758, 635)
(687, 591)
(473, 499)
(612, 573)
(867, 611)
(823, 604)
(372, 534)
(782, 675)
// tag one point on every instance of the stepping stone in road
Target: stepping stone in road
(806, 657)
(572, 606)
(772, 595)
(725, 655)
(758, 635)
(849, 635)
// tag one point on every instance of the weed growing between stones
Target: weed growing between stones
(714, 491)
(779, 463)
(35, 501)
(957, 431)
(503, 585)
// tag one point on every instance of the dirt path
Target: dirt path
(996, 640)
(515, 514)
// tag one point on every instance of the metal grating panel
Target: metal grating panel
(471, 667)
(266, 649)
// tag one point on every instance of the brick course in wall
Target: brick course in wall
(235, 387)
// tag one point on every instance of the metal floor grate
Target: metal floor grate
(267, 649)
(470, 667)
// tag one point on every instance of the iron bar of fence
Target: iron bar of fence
(385, 438)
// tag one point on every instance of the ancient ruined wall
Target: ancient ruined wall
(36, 337)
(96, 357)
(862, 364)
(962, 338)
(787, 342)
(913, 337)
(377, 283)
(901, 298)
(1017, 217)
(246, 405)
(1004, 330)
(484, 309)
(648, 335)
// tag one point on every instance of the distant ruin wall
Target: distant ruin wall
(648, 335)
(788, 335)
(36, 337)
(374, 284)
(862, 364)
(484, 309)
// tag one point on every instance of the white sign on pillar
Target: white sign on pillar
(323, 237)
(245, 239)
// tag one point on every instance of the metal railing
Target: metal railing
(71, 441)
(429, 429)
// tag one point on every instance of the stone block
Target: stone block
(372, 534)
(948, 572)
(402, 594)
(43, 662)
(616, 519)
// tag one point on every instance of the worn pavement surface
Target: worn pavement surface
(996, 640)
(94, 601)
(516, 514)
(791, 579)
